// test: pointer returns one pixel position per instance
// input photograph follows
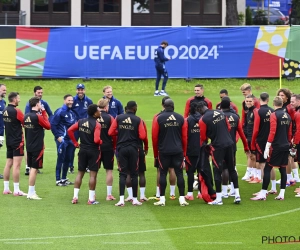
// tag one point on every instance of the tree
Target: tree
(232, 16)
(249, 20)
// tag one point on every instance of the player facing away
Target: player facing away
(13, 119)
(169, 140)
(199, 97)
(2, 107)
(34, 124)
(129, 129)
(215, 126)
(89, 151)
(277, 148)
(159, 60)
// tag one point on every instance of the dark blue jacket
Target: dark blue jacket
(80, 106)
(159, 57)
(46, 107)
(62, 119)
(2, 107)
(115, 107)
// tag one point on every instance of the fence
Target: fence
(9, 18)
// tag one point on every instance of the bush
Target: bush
(260, 18)
(249, 20)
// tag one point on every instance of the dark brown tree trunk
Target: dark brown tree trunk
(232, 16)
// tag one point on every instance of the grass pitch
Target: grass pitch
(54, 222)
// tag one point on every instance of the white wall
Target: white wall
(75, 12)
(176, 13)
(25, 6)
(126, 13)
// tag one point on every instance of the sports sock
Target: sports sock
(296, 174)
(258, 171)
(237, 192)
(190, 193)
(157, 192)
(252, 172)
(108, 190)
(281, 194)
(263, 193)
(181, 199)
(31, 191)
(248, 171)
(92, 195)
(134, 200)
(129, 191)
(172, 190)
(273, 182)
(6, 185)
(289, 177)
(142, 192)
(76, 191)
(224, 189)
(163, 199)
(219, 197)
(231, 187)
(122, 198)
(16, 187)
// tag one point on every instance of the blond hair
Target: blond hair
(102, 103)
(245, 86)
(107, 87)
(277, 102)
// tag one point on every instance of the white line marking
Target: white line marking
(221, 243)
(154, 230)
(21, 243)
(27, 61)
(31, 45)
(124, 243)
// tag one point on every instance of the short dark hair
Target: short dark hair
(164, 42)
(224, 91)
(2, 84)
(12, 96)
(37, 88)
(296, 96)
(193, 107)
(169, 104)
(264, 96)
(66, 96)
(202, 104)
(164, 99)
(34, 101)
(131, 104)
(199, 86)
(92, 109)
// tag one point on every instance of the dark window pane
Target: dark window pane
(111, 6)
(60, 5)
(211, 7)
(91, 6)
(162, 6)
(191, 6)
(40, 5)
(11, 5)
(141, 6)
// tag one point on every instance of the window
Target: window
(212, 7)
(141, 7)
(60, 5)
(161, 6)
(191, 7)
(111, 6)
(11, 5)
(40, 5)
(91, 6)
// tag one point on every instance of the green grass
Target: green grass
(54, 222)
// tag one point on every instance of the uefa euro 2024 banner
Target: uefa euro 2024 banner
(128, 52)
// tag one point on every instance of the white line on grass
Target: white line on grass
(154, 230)
(22, 242)
(129, 243)
(221, 243)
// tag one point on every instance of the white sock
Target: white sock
(296, 173)
(172, 190)
(92, 195)
(108, 190)
(248, 170)
(199, 192)
(163, 199)
(253, 172)
(237, 192)
(224, 189)
(190, 193)
(31, 191)
(263, 193)
(16, 187)
(76, 191)
(134, 200)
(122, 198)
(259, 174)
(6, 185)
(129, 191)
(142, 192)
(219, 197)
(26, 166)
(231, 187)
(281, 194)
(273, 182)
(157, 192)
(181, 199)
(289, 177)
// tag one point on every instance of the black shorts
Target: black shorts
(170, 161)
(191, 163)
(278, 157)
(35, 159)
(88, 159)
(221, 156)
(142, 161)
(128, 160)
(260, 149)
(12, 152)
(225, 165)
(107, 159)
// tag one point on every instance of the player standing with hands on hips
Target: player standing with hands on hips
(160, 59)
